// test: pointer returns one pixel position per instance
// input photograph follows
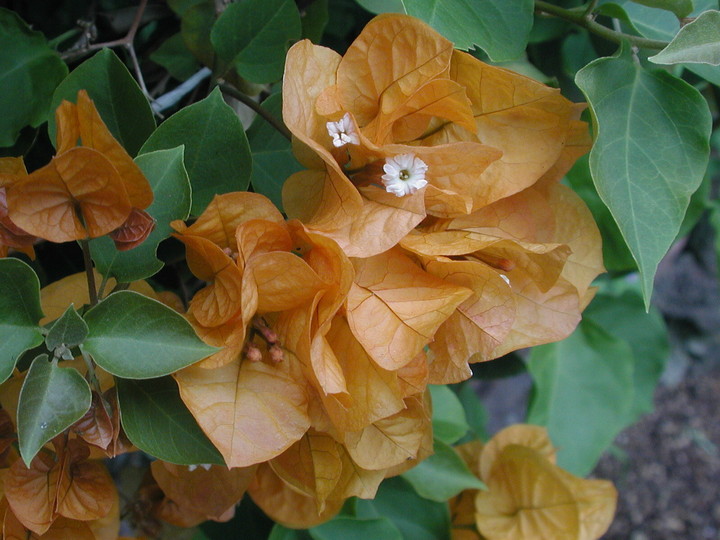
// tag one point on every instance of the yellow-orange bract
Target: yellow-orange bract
(485, 133)
(528, 496)
(85, 191)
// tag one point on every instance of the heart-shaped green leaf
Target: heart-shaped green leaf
(51, 400)
(157, 421)
(69, 330)
(501, 29)
(29, 73)
(696, 42)
(135, 337)
(650, 153)
(442, 475)
(217, 155)
(20, 313)
(254, 35)
(118, 98)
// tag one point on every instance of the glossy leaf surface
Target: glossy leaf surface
(135, 337)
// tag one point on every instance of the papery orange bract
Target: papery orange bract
(529, 259)
(96, 426)
(249, 410)
(210, 493)
(71, 487)
(81, 182)
(529, 497)
(82, 121)
(84, 192)
(134, 231)
(393, 440)
(284, 504)
(394, 307)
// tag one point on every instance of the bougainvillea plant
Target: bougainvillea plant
(276, 328)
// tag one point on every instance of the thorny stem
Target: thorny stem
(583, 18)
(92, 289)
(245, 100)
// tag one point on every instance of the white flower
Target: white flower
(405, 174)
(505, 278)
(343, 131)
(205, 466)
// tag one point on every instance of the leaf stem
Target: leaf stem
(91, 376)
(269, 118)
(584, 19)
(92, 289)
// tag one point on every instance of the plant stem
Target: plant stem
(91, 376)
(92, 289)
(125, 41)
(584, 19)
(245, 100)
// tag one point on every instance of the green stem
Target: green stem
(91, 376)
(245, 100)
(92, 289)
(590, 7)
(584, 19)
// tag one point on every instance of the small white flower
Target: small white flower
(343, 131)
(405, 174)
(205, 466)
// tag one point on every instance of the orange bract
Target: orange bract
(84, 192)
(528, 496)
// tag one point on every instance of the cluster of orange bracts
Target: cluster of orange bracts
(430, 230)
(84, 192)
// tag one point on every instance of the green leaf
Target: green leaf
(650, 153)
(157, 421)
(166, 174)
(696, 42)
(118, 98)
(135, 337)
(282, 533)
(20, 313)
(417, 518)
(174, 56)
(623, 316)
(474, 410)
(349, 528)
(646, 21)
(29, 72)
(583, 393)
(448, 419)
(442, 475)
(272, 155)
(681, 8)
(51, 400)
(314, 19)
(69, 330)
(382, 6)
(616, 254)
(217, 155)
(196, 24)
(254, 35)
(501, 29)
